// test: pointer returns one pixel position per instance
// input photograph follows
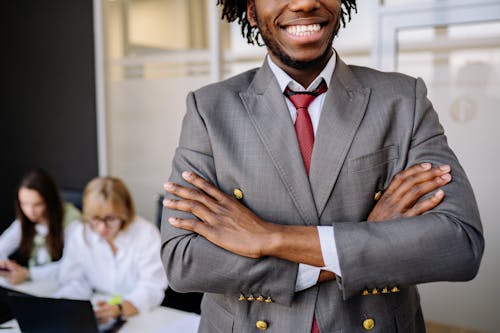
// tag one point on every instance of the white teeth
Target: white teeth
(303, 30)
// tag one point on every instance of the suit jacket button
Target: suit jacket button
(365, 292)
(260, 299)
(261, 325)
(250, 298)
(268, 300)
(368, 324)
(241, 298)
(385, 290)
(377, 195)
(374, 291)
(395, 289)
(238, 194)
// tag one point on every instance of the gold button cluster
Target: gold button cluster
(251, 298)
(385, 290)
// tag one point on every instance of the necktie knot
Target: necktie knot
(302, 99)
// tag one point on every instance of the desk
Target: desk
(159, 320)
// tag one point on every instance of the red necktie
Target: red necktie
(303, 125)
(305, 134)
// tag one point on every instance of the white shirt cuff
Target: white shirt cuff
(329, 249)
(307, 276)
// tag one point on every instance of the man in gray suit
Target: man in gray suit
(338, 210)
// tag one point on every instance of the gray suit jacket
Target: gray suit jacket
(238, 134)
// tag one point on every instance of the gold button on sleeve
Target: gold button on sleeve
(377, 195)
(368, 324)
(238, 194)
(241, 298)
(395, 289)
(260, 298)
(374, 291)
(268, 300)
(250, 298)
(365, 292)
(261, 325)
(385, 290)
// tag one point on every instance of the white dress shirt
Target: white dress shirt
(135, 273)
(45, 268)
(307, 275)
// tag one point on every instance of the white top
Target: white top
(135, 272)
(45, 268)
(307, 275)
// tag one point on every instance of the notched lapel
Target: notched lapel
(267, 110)
(343, 110)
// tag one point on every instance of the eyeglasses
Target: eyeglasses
(109, 222)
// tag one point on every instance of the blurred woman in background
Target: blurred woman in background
(114, 253)
(33, 244)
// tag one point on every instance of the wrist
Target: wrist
(121, 315)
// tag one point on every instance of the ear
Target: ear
(251, 17)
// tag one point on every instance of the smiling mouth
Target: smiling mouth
(303, 30)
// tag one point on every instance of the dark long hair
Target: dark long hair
(40, 181)
(236, 10)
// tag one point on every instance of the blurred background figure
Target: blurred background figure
(33, 244)
(113, 252)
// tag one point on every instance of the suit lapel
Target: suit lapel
(343, 109)
(269, 114)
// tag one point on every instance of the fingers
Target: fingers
(11, 265)
(194, 207)
(416, 191)
(204, 197)
(204, 185)
(407, 179)
(105, 312)
(403, 175)
(411, 184)
(425, 205)
(192, 225)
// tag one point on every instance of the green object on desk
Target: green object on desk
(115, 300)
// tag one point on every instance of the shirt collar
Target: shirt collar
(285, 80)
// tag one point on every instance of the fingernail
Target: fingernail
(167, 202)
(172, 220)
(168, 186)
(187, 175)
(445, 168)
(446, 177)
(439, 194)
(425, 165)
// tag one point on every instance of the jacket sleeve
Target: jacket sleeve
(444, 244)
(192, 263)
(10, 239)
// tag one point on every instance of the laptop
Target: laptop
(5, 312)
(55, 315)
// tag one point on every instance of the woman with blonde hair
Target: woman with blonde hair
(114, 253)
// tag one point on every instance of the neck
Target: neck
(304, 75)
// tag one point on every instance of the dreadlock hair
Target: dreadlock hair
(236, 10)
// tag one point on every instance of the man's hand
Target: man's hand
(13, 272)
(401, 199)
(224, 221)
